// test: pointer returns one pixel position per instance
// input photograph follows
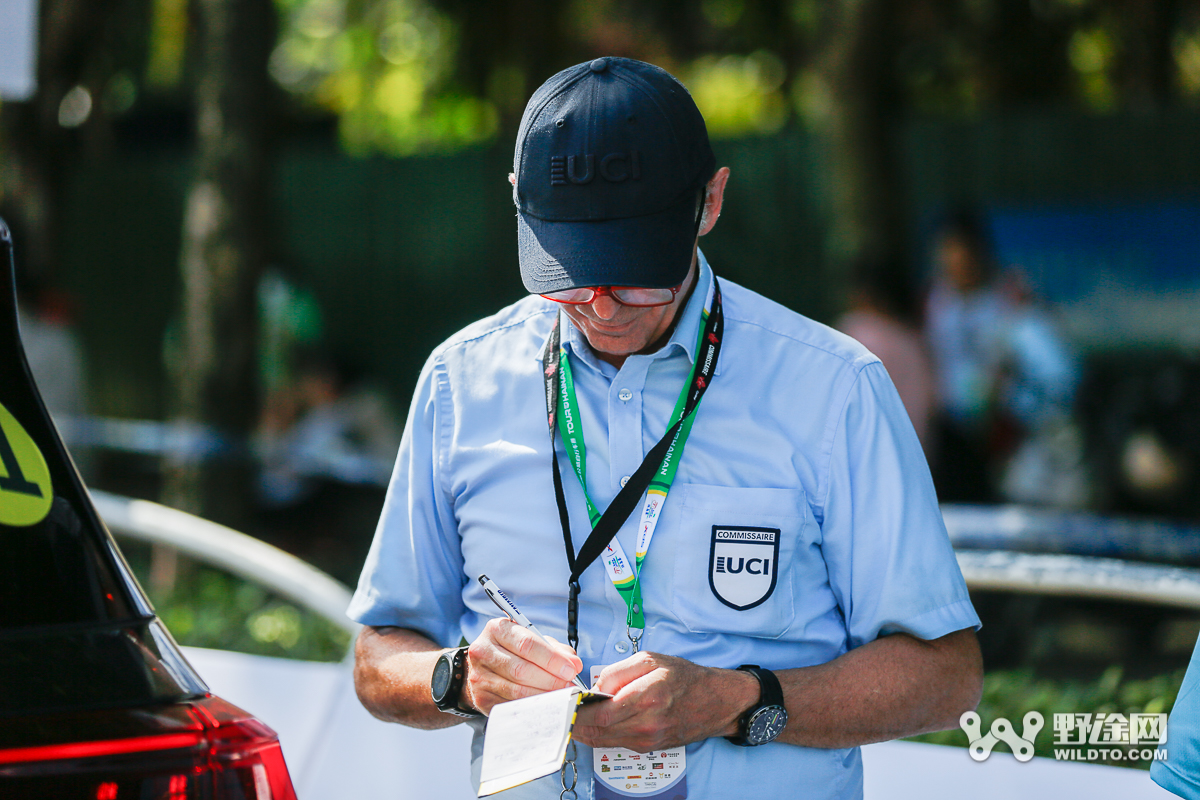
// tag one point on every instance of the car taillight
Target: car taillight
(244, 752)
(203, 750)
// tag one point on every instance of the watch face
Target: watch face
(766, 724)
(441, 678)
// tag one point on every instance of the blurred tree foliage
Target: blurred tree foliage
(85, 54)
(226, 236)
(398, 77)
(406, 76)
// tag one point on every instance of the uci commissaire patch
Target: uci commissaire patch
(743, 564)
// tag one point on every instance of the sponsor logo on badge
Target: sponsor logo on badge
(743, 564)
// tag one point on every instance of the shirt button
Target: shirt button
(622, 647)
(625, 395)
(624, 481)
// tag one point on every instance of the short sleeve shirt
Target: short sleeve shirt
(801, 432)
(1179, 772)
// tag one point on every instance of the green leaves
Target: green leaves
(1012, 694)
(207, 607)
(384, 67)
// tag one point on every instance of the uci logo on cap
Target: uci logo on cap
(581, 169)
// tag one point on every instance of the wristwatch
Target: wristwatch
(764, 720)
(449, 675)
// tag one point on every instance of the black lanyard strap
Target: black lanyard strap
(626, 500)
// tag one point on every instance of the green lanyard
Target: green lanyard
(616, 563)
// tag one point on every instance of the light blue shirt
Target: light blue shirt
(800, 432)
(1180, 772)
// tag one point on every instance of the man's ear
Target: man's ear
(714, 196)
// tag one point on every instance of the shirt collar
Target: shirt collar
(683, 337)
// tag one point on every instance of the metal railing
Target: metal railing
(1082, 533)
(1081, 576)
(1060, 574)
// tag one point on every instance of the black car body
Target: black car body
(96, 699)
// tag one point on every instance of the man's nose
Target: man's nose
(605, 307)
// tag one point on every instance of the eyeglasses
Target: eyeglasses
(634, 296)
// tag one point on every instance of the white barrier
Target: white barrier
(250, 558)
(997, 570)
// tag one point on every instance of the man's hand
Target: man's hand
(508, 662)
(892, 687)
(662, 701)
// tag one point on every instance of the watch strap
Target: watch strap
(770, 694)
(451, 702)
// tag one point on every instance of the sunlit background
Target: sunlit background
(237, 221)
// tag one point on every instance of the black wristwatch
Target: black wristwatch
(449, 675)
(764, 720)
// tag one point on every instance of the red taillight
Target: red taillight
(245, 749)
(205, 749)
(107, 747)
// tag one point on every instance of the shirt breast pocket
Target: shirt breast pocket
(734, 556)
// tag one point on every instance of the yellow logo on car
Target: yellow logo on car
(25, 491)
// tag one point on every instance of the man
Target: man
(791, 526)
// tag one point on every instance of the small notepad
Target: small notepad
(527, 739)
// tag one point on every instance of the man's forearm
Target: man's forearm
(392, 671)
(892, 687)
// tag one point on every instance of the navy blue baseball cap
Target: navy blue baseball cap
(611, 158)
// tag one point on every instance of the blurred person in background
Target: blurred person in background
(885, 317)
(1006, 379)
(52, 348)
(327, 425)
(325, 442)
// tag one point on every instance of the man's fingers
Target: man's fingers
(615, 677)
(494, 675)
(628, 702)
(574, 663)
(491, 660)
(508, 662)
(490, 692)
(554, 658)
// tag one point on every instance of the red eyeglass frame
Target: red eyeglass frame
(611, 291)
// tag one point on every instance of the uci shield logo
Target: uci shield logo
(743, 564)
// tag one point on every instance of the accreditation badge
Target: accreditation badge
(619, 773)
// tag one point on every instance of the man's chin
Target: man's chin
(617, 340)
(613, 346)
